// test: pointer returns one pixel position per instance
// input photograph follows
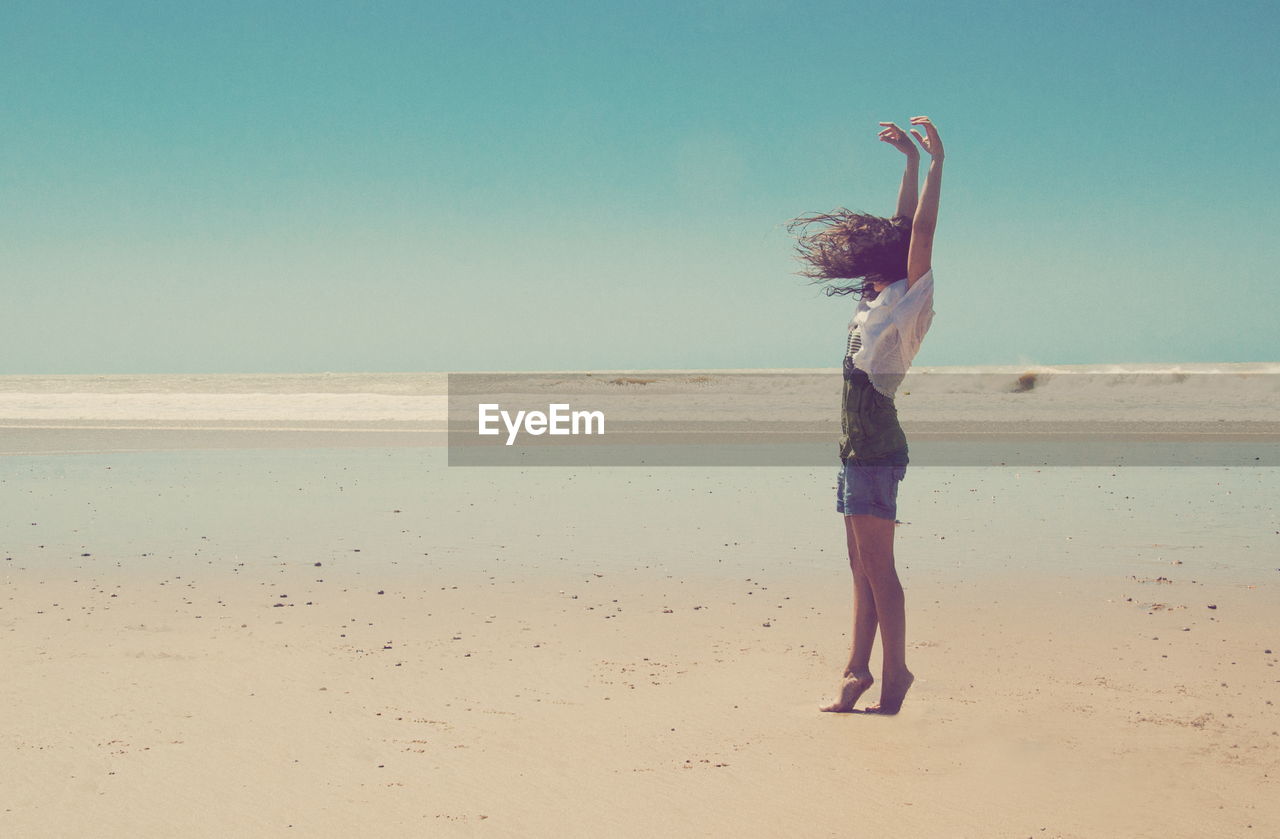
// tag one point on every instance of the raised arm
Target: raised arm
(896, 137)
(920, 251)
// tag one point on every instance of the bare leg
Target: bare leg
(874, 537)
(857, 675)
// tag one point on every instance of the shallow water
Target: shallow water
(404, 510)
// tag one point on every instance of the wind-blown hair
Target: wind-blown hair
(852, 246)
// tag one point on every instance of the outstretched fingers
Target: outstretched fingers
(931, 142)
(892, 134)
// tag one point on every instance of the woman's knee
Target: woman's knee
(875, 558)
(874, 569)
(855, 565)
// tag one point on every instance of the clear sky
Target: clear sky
(399, 186)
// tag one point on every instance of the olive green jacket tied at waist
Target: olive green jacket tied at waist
(869, 421)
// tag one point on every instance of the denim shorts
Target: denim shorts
(869, 488)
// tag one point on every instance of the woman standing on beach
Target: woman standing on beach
(892, 260)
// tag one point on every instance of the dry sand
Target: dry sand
(364, 642)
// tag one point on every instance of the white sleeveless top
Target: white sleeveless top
(885, 334)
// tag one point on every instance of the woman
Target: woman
(892, 260)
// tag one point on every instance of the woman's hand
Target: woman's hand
(931, 143)
(896, 137)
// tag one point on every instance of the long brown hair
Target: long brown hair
(852, 246)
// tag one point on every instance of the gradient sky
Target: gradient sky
(397, 186)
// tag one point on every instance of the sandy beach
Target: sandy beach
(217, 627)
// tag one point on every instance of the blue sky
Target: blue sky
(281, 187)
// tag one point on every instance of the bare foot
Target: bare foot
(855, 684)
(892, 694)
